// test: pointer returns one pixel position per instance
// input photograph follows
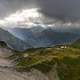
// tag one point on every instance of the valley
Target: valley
(56, 56)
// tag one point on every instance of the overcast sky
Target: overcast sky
(60, 9)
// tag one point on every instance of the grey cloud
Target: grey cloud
(10, 6)
(61, 9)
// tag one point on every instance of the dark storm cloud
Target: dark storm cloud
(61, 9)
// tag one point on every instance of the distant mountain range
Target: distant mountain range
(21, 39)
(12, 41)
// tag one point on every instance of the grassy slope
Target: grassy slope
(76, 44)
(67, 59)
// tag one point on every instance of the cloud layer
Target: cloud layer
(10, 6)
(59, 9)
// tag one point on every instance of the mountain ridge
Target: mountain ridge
(22, 39)
(12, 41)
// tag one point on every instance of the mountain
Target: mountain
(12, 41)
(40, 37)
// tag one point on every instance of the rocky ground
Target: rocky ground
(8, 73)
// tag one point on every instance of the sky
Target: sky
(65, 10)
(61, 9)
(8, 7)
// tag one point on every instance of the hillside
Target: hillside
(76, 44)
(65, 57)
(7, 68)
(62, 61)
(12, 41)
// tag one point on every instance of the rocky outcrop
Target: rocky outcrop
(7, 71)
(8, 74)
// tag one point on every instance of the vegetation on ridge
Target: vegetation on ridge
(67, 58)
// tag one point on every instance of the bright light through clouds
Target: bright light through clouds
(24, 16)
(30, 17)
